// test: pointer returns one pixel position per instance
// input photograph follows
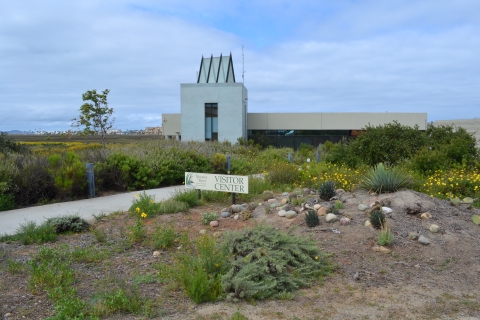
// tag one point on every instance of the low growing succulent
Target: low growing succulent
(377, 219)
(311, 219)
(326, 190)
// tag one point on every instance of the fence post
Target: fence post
(90, 180)
(228, 172)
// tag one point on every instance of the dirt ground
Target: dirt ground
(412, 281)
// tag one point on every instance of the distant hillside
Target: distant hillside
(16, 132)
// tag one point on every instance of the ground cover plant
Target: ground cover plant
(179, 262)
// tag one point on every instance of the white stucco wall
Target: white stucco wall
(332, 121)
(232, 107)
(470, 125)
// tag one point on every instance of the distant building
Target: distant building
(216, 108)
(153, 130)
(470, 125)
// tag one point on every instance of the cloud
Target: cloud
(342, 56)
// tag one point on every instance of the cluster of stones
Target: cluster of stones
(433, 228)
(287, 210)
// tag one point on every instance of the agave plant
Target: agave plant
(382, 179)
(327, 190)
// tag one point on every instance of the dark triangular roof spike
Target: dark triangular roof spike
(216, 70)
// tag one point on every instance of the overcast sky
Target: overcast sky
(300, 56)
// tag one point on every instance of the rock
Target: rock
(362, 207)
(225, 214)
(426, 215)
(7, 315)
(344, 221)
(434, 228)
(386, 210)
(203, 231)
(266, 195)
(413, 235)
(317, 206)
(423, 240)
(273, 205)
(287, 207)
(282, 213)
(225, 210)
(292, 195)
(368, 223)
(284, 200)
(236, 217)
(290, 214)
(416, 266)
(156, 253)
(236, 208)
(339, 191)
(322, 211)
(386, 202)
(381, 249)
(285, 194)
(271, 200)
(330, 217)
(214, 223)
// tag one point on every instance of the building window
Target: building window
(211, 121)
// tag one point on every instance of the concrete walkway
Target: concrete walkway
(10, 220)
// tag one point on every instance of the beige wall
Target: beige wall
(171, 124)
(471, 125)
(331, 121)
(312, 121)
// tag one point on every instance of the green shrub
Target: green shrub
(137, 232)
(6, 202)
(333, 209)
(382, 179)
(264, 261)
(339, 153)
(173, 206)
(29, 233)
(219, 163)
(100, 235)
(190, 197)
(385, 237)
(34, 185)
(390, 143)
(8, 145)
(163, 237)
(208, 217)
(15, 267)
(69, 174)
(283, 173)
(338, 204)
(215, 196)
(69, 223)
(144, 203)
(199, 271)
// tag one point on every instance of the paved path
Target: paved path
(10, 220)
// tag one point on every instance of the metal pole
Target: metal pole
(318, 157)
(228, 172)
(290, 157)
(90, 180)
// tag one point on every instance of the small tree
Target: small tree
(95, 115)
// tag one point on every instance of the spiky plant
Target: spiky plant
(377, 219)
(326, 190)
(311, 219)
(382, 178)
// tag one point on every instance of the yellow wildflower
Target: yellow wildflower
(143, 215)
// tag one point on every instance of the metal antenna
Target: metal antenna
(243, 66)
